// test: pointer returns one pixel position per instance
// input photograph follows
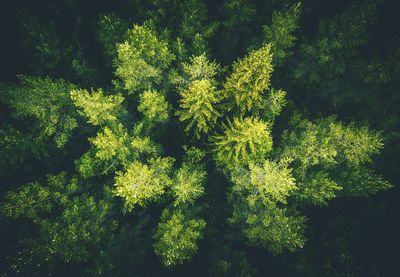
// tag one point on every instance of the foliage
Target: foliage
(188, 184)
(326, 150)
(339, 39)
(78, 228)
(199, 68)
(255, 197)
(176, 237)
(249, 80)
(41, 43)
(111, 143)
(280, 33)
(110, 31)
(271, 154)
(98, 108)
(153, 105)
(46, 102)
(142, 58)
(244, 140)
(198, 106)
(143, 183)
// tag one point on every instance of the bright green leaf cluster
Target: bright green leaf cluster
(243, 141)
(111, 143)
(250, 79)
(271, 180)
(154, 106)
(142, 183)
(256, 195)
(176, 237)
(199, 68)
(280, 33)
(47, 102)
(97, 107)
(142, 58)
(273, 105)
(198, 106)
(189, 181)
(275, 228)
(324, 151)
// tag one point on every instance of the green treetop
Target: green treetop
(197, 107)
(97, 107)
(70, 223)
(338, 40)
(243, 141)
(176, 237)
(271, 180)
(47, 102)
(326, 151)
(188, 184)
(199, 95)
(199, 68)
(153, 106)
(250, 79)
(257, 196)
(112, 143)
(142, 183)
(110, 31)
(142, 58)
(280, 33)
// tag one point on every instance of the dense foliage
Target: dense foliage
(226, 138)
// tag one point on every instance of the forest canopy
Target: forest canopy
(214, 138)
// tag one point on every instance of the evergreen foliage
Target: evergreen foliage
(46, 102)
(189, 162)
(244, 140)
(142, 58)
(176, 237)
(249, 80)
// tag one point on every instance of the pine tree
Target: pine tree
(176, 237)
(244, 140)
(97, 107)
(250, 79)
(46, 102)
(280, 33)
(142, 58)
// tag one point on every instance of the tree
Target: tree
(188, 184)
(71, 223)
(185, 144)
(325, 59)
(110, 31)
(244, 140)
(249, 80)
(142, 183)
(280, 33)
(326, 151)
(198, 107)
(257, 197)
(176, 237)
(142, 58)
(154, 106)
(97, 107)
(41, 43)
(46, 102)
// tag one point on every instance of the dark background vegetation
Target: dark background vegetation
(349, 237)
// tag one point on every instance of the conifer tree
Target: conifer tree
(250, 79)
(142, 58)
(280, 33)
(45, 101)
